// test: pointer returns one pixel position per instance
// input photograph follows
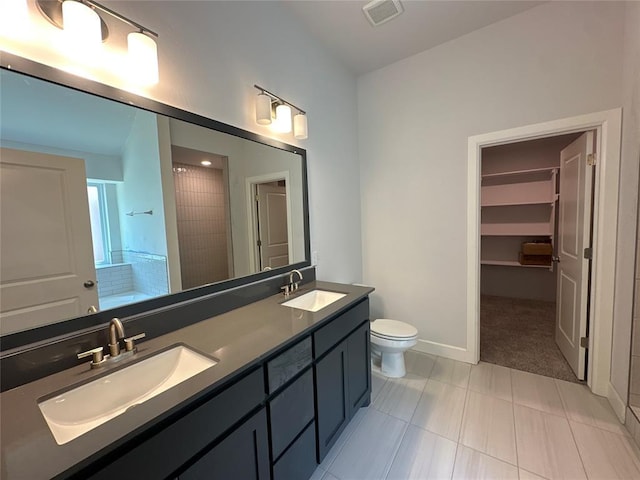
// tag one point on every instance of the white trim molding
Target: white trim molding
(608, 125)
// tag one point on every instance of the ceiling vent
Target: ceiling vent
(381, 11)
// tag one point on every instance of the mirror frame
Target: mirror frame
(39, 71)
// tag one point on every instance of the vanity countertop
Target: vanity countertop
(239, 339)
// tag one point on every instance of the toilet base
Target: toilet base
(392, 364)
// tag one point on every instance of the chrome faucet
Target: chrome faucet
(115, 327)
(292, 286)
(116, 332)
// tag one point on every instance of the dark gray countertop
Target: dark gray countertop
(240, 339)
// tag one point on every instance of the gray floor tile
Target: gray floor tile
(369, 451)
(472, 465)
(377, 382)
(606, 454)
(440, 409)
(399, 396)
(450, 371)
(583, 406)
(491, 380)
(344, 436)
(488, 427)
(545, 445)
(423, 455)
(536, 391)
(524, 475)
(419, 363)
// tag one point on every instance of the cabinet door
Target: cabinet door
(359, 369)
(243, 454)
(332, 398)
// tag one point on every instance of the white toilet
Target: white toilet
(389, 340)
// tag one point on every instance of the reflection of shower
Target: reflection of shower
(132, 213)
(202, 215)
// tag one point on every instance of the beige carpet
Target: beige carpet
(519, 334)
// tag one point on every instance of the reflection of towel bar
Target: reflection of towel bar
(132, 213)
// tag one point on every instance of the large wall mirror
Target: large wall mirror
(113, 206)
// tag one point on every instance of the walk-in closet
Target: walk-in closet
(522, 206)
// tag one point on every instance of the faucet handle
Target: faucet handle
(96, 354)
(129, 343)
(286, 289)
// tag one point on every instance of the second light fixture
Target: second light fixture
(273, 110)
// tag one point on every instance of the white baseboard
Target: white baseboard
(619, 406)
(443, 350)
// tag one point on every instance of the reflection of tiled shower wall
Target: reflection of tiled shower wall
(149, 272)
(113, 279)
(202, 224)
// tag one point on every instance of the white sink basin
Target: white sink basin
(83, 408)
(314, 300)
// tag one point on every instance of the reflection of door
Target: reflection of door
(273, 234)
(574, 235)
(45, 241)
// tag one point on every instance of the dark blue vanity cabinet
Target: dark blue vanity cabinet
(276, 422)
(343, 373)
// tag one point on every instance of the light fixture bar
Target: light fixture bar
(122, 18)
(280, 99)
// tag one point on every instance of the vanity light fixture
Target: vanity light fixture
(81, 20)
(274, 110)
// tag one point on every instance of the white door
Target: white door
(272, 226)
(46, 253)
(574, 236)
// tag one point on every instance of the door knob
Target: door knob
(92, 309)
(89, 284)
(556, 259)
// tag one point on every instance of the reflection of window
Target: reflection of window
(98, 216)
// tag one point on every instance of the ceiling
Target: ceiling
(72, 120)
(342, 27)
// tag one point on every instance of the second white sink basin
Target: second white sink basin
(87, 406)
(314, 300)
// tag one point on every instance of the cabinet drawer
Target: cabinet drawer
(290, 412)
(300, 460)
(180, 441)
(330, 335)
(288, 364)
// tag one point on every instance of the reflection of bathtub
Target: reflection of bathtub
(112, 301)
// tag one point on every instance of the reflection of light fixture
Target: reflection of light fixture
(206, 163)
(82, 22)
(280, 116)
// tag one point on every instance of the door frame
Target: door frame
(252, 217)
(607, 125)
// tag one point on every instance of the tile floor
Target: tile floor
(451, 420)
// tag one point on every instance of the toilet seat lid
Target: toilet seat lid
(385, 327)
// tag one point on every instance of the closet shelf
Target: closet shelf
(520, 172)
(516, 229)
(508, 203)
(509, 263)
